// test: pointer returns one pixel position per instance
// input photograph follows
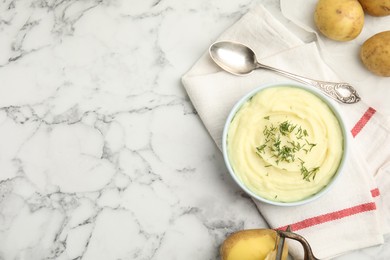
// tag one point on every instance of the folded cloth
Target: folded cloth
(350, 216)
(343, 57)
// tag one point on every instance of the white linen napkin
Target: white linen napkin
(350, 216)
(343, 57)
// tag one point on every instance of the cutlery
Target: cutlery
(239, 59)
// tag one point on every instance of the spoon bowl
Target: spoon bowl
(239, 59)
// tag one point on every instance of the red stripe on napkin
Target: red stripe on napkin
(375, 193)
(331, 216)
(363, 121)
(361, 208)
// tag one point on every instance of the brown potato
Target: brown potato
(340, 20)
(376, 7)
(375, 54)
(251, 244)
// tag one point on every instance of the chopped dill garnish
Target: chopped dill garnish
(283, 142)
(308, 173)
(286, 128)
(260, 149)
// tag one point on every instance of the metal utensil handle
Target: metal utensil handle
(342, 92)
(308, 253)
(280, 248)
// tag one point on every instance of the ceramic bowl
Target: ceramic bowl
(333, 107)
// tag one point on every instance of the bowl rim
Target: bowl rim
(330, 103)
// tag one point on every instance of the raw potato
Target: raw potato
(376, 7)
(252, 244)
(340, 20)
(375, 54)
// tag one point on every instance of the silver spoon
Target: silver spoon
(239, 59)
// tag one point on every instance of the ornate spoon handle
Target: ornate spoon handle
(342, 92)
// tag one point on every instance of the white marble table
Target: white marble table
(102, 155)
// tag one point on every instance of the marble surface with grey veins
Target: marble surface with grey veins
(102, 155)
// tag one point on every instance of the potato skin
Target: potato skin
(339, 20)
(243, 235)
(376, 7)
(375, 54)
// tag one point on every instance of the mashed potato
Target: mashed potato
(285, 144)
